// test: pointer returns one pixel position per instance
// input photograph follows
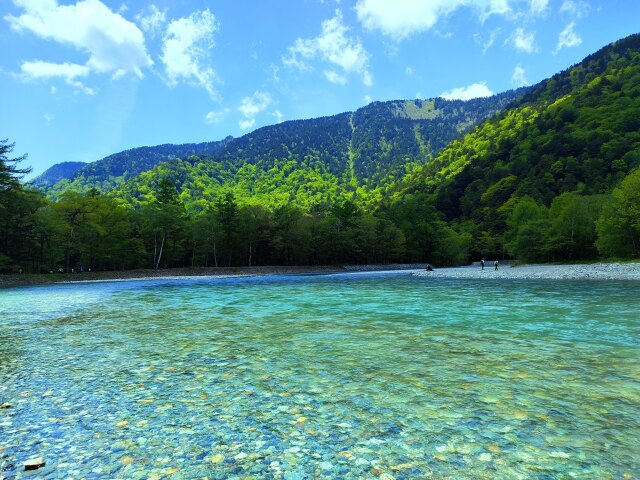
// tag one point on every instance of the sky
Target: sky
(82, 79)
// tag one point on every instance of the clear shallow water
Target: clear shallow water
(347, 376)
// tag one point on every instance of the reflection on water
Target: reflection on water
(348, 376)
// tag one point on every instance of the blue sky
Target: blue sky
(80, 80)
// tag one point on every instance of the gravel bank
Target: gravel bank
(594, 271)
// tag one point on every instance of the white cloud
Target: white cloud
(488, 43)
(48, 118)
(274, 70)
(334, 77)
(466, 93)
(408, 71)
(523, 41)
(153, 21)
(519, 78)
(334, 46)
(568, 38)
(69, 72)
(367, 99)
(575, 8)
(539, 7)
(279, 116)
(402, 18)
(251, 106)
(247, 124)
(216, 117)
(114, 45)
(185, 51)
(367, 79)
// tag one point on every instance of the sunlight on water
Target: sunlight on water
(347, 376)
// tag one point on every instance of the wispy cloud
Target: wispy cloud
(568, 38)
(251, 106)
(333, 46)
(186, 43)
(519, 78)
(152, 20)
(213, 117)
(486, 43)
(402, 19)
(474, 90)
(575, 8)
(523, 41)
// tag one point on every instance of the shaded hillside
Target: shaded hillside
(56, 173)
(105, 174)
(577, 132)
(311, 162)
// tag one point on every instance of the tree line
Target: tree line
(83, 231)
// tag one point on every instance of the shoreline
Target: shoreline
(29, 279)
(592, 271)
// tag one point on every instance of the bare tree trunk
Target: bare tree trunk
(164, 233)
(215, 254)
(249, 253)
(155, 249)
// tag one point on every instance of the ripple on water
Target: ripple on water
(361, 376)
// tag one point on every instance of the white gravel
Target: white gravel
(594, 271)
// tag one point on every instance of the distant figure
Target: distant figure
(482, 263)
(495, 264)
(429, 267)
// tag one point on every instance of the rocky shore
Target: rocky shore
(593, 271)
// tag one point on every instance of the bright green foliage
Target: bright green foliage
(533, 182)
(19, 229)
(527, 228)
(577, 132)
(619, 225)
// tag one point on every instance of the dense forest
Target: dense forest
(304, 162)
(552, 174)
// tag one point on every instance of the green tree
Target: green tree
(619, 224)
(527, 228)
(572, 232)
(163, 221)
(10, 174)
(227, 215)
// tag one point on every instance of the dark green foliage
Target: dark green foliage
(111, 171)
(10, 173)
(311, 163)
(575, 133)
(619, 225)
(555, 177)
(56, 173)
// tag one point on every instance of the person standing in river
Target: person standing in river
(482, 263)
(495, 264)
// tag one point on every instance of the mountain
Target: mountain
(56, 173)
(576, 133)
(310, 162)
(110, 171)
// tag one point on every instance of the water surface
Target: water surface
(333, 376)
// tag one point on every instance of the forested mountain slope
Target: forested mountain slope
(577, 132)
(57, 172)
(310, 162)
(110, 171)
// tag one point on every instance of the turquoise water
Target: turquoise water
(342, 377)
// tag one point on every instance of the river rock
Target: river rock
(34, 463)
(6, 405)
